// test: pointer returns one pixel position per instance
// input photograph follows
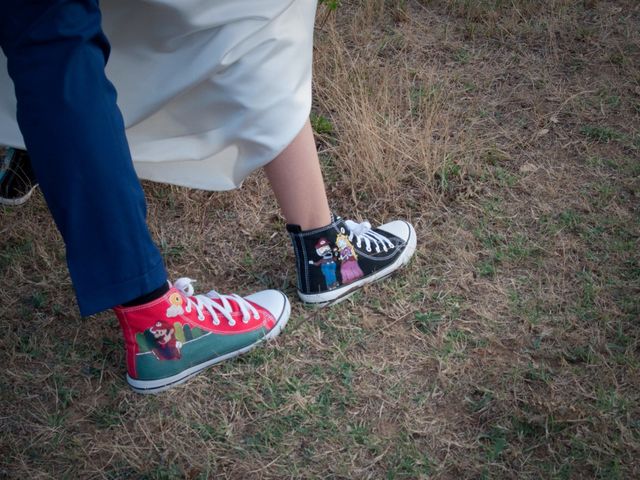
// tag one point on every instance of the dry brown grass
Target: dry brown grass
(508, 132)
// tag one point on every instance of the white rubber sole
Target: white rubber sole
(13, 202)
(157, 386)
(331, 297)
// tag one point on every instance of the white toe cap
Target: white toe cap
(400, 229)
(274, 301)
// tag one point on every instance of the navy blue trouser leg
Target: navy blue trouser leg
(74, 133)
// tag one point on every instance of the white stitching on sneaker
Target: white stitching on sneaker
(363, 232)
(207, 303)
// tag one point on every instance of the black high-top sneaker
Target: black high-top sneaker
(334, 261)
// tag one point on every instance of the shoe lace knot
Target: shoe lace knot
(362, 232)
(216, 304)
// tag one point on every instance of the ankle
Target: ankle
(311, 220)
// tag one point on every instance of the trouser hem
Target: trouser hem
(95, 301)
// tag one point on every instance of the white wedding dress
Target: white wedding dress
(210, 89)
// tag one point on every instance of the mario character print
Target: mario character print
(326, 263)
(162, 337)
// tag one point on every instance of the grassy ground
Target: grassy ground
(508, 132)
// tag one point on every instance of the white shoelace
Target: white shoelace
(363, 233)
(206, 302)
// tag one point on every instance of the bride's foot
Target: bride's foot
(336, 260)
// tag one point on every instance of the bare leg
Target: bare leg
(297, 182)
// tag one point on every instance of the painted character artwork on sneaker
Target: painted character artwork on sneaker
(326, 263)
(176, 306)
(361, 253)
(163, 340)
(349, 268)
(170, 339)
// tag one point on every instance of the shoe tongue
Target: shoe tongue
(233, 303)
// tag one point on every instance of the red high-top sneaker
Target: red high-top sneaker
(178, 335)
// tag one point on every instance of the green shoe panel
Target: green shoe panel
(193, 352)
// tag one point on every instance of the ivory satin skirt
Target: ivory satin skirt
(210, 90)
